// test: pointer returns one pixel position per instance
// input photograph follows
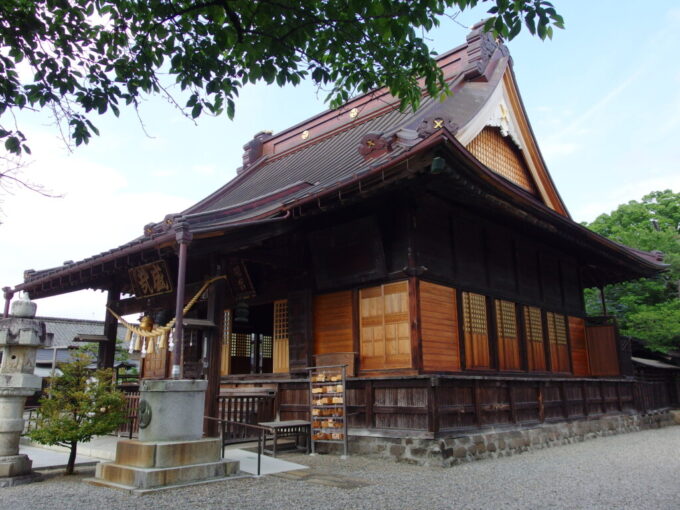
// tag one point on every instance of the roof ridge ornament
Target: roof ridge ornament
(253, 150)
(480, 49)
(373, 145)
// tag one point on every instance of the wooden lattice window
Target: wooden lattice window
(266, 346)
(240, 345)
(385, 332)
(533, 329)
(225, 361)
(476, 331)
(281, 354)
(501, 155)
(557, 336)
(508, 338)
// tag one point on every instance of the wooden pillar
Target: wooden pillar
(433, 406)
(603, 301)
(107, 350)
(8, 299)
(368, 396)
(215, 314)
(183, 238)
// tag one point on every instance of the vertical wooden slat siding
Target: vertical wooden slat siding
(438, 316)
(281, 354)
(557, 336)
(154, 364)
(385, 335)
(579, 351)
(476, 331)
(333, 323)
(602, 353)
(534, 334)
(508, 336)
(225, 361)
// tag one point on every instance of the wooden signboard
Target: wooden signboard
(239, 281)
(150, 279)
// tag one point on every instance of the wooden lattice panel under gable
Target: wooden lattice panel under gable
(281, 354)
(508, 339)
(557, 336)
(475, 328)
(500, 154)
(534, 334)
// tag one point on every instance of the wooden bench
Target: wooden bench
(298, 429)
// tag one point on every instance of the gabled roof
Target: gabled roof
(324, 151)
(369, 135)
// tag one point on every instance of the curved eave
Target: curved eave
(633, 260)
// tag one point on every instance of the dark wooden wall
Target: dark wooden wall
(470, 251)
(441, 406)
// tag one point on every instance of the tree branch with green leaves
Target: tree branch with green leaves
(82, 58)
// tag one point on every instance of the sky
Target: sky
(603, 98)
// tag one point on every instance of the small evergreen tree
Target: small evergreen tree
(77, 406)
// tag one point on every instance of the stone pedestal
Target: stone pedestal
(20, 337)
(171, 451)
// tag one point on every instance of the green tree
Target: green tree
(78, 405)
(648, 309)
(84, 57)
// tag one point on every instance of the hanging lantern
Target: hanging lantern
(241, 312)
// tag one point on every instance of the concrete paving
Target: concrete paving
(43, 458)
(103, 448)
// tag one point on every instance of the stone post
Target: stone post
(20, 338)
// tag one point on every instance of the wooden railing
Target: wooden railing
(238, 408)
(130, 427)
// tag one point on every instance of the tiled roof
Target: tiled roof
(65, 330)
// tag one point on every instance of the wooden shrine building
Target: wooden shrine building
(428, 250)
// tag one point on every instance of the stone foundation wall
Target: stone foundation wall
(491, 444)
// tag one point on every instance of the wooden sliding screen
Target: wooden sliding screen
(333, 323)
(533, 328)
(602, 353)
(385, 333)
(557, 336)
(508, 335)
(579, 351)
(439, 327)
(476, 331)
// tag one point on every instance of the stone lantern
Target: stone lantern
(20, 337)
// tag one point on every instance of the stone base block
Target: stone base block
(500, 442)
(149, 478)
(143, 466)
(676, 416)
(15, 465)
(167, 454)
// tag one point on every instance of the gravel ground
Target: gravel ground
(629, 471)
